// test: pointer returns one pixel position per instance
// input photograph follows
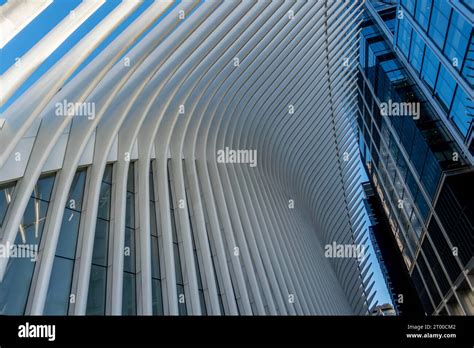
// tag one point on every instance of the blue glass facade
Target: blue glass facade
(416, 55)
(437, 40)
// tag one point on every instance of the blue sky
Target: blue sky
(46, 21)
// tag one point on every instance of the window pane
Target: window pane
(43, 188)
(417, 51)
(458, 38)
(203, 302)
(131, 178)
(77, 191)
(422, 14)
(68, 235)
(153, 227)
(15, 286)
(439, 22)
(445, 88)
(409, 5)
(462, 111)
(157, 297)
(155, 258)
(96, 295)
(130, 211)
(57, 300)
(99, 255)
(108, 174)
(430, 68)
(129, 255)
(104, 202)
(31, 226)
(404, 36)
(129, 298)
(152, 190)
(179, 276)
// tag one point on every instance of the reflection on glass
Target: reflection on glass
(59, 294)
(98, 279)
(15, 287)
(6, 196)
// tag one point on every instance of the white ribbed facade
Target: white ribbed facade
(277, 77)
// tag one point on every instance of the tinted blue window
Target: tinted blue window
(431, 174)
(15, 286)
(468, 3)
(418, 152)
(439, 22)
(68, 236)
(468, 70)
(416, 52)
(445, 88)
(462, 111)
(423, 207)
(43, 188)
(404, 36)
(57, 299)
(409, 5)
(423, 11)
(430, 68)
(402, 166)
(407, 132)
(458, 38)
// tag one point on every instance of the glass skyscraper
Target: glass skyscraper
(416, 140)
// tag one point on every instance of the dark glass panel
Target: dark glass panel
(68, 236)
(97, 289)
(57, 299)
